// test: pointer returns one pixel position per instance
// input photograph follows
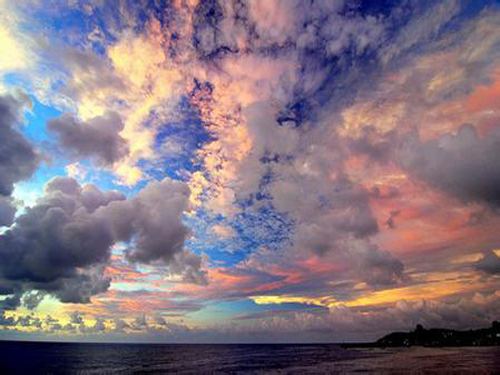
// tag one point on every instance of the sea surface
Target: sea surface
(72, 358)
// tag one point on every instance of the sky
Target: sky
(248, 171)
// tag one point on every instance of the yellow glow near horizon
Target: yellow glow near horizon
(435, 286)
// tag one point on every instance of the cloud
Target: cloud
(76, 318)
(160, 320)
(15, 56)
(306, 110)
(420, 28)
(462, 164)
(98, 138)
(32, 299)
(57, 246)
(6, 320)
(152, 222)
(7, 211)
(18, 159)
(98, 327)
(120, 325)
(10, 303)
(61, 245)
(489, 263)
(140, 323)
(380, 267)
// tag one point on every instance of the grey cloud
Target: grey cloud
(489, 263)
(7, 211)
(346, 323)
(332, 213)
(462, 165)
(371, 322)
(93, 72)
(380, 267)
(80, 288)
(82, 73)
(61, 245)
(32, 299)
(120, 325)
(140, 323)
(421, 28)
(99, 326)
(50, 320)
(10, 302)
(98, 138)
(18, 159)
(373, 145)
(29, 321)
(160, 320)
(56, 246)
(152, 223)
(76, 318)
(68, 327)
(6, 321)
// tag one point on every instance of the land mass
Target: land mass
(437, 337)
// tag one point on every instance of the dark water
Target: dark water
(63, 358)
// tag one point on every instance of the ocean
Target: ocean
(85, 358)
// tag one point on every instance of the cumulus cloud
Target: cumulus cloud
(462, 164)
(10, 302)
(62, 244)
(152, 223)
(32, 299)
(18, 158)
(7, 211)
(56, 246)
(489, 263)
(98, 138)
(380, 267)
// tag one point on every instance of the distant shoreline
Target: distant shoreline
(435, 338)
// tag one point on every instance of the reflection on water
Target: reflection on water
(62, 358)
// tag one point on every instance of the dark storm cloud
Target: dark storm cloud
(6, 321)
(32, 299)
(62, 244)
(10, 303)
(97, 139)
(18, 159)
(7, 211)
(462, 165)
(56, 246)
(489, 263)
(380, 267)
(152, 220)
